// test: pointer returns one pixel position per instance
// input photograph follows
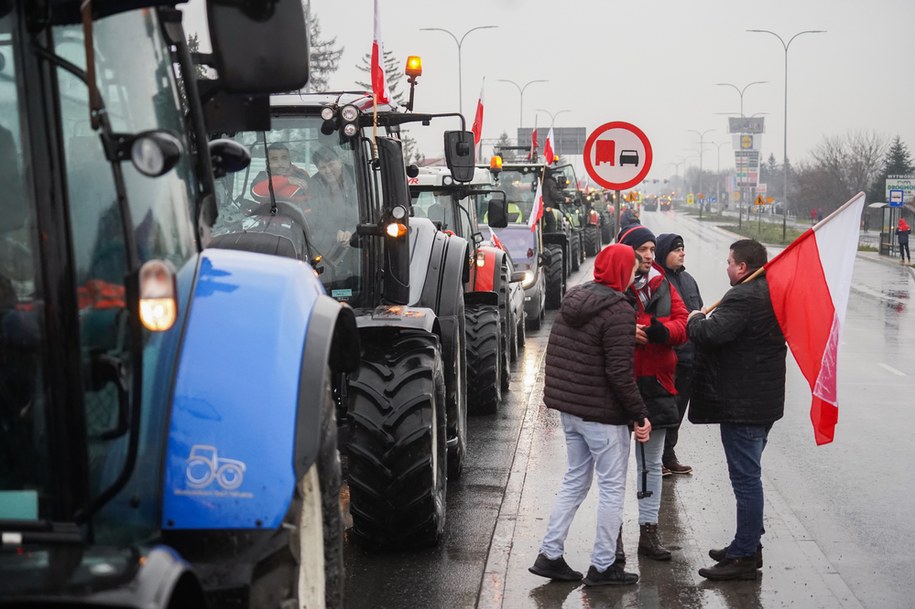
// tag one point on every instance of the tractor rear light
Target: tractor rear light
(327, 113)
(530, 252)
(395, 230)
(481, 259)
(349, 129)
(158, 301)
(349, 113)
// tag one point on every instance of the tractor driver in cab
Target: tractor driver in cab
(332, 206)
(290, 182)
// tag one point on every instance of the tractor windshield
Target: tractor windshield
(519, 185)
(309, 180)
(79, 266)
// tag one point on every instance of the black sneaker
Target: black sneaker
(554, 569)
(613, 576)
(731, 568)
(720, 554)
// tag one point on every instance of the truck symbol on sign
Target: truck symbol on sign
(629, 157)
(605, 152)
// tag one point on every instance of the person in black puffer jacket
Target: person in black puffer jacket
(590, 380)
(671, 253)
(739, 383)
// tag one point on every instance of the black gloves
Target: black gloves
(657, 332)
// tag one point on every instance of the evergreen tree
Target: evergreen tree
(897, 161)
(393, 73)
(323, 55)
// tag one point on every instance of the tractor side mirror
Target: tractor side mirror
(497, 213)
(459, 155)
(259, 47)
(228, 156)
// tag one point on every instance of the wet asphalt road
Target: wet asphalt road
(839, 533)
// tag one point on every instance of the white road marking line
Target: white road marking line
(891, 369)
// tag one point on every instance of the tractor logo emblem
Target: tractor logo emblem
(204, 465)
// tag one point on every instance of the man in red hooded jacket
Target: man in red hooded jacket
(660, 325)
(590, 380)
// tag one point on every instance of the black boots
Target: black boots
(650, 543)
(732, 568)
(555, 569)
(719, 555)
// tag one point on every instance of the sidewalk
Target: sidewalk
(697, 513)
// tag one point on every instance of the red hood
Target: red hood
(613, 266)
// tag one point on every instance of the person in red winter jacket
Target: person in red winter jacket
(660, 326)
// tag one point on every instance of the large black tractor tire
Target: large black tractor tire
(307, 571)
(484, 368)
(456, 394)
(592, 240)
(552, 269)
(506, 331)
(606, 229)
(397, 451)
(574, 251)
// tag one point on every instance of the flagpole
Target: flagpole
(803, 236)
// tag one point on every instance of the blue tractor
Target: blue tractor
(167, 431)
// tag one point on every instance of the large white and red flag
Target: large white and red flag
(537, 209)
(548, 150)
(380, 89)
(478, 123)
(809, 282)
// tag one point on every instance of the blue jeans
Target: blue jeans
(649, 506)
(592, 447)
(743, 448)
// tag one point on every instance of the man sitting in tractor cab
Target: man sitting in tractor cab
(290, 182)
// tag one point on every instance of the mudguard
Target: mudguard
(245, 411)
(398, 316)
(558, 238)
(163, 580)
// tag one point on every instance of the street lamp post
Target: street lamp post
(701, 150)
(459, 45)
(718, 173)
(741, 91)
(552, 115)
(521, 94)
(785, 45)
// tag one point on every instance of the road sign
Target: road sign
(760, 200)
(617, 155)
(905, 183)
(690, 199)
(896, 198)
(746, 124)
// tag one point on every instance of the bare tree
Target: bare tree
(853, 160)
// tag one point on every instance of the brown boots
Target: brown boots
(650, 543)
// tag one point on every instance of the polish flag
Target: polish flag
(532, 155)
(537, 211)
(478, 122)
(548, 152)
(809, 282)
(379, 84)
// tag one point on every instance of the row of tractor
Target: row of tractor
(221, 305)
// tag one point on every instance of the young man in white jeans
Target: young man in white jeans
(590, 380)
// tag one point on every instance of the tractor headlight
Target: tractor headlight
(530, 277)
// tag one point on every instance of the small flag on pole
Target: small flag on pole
(548, 150)
(380, 89)
(532, 155)
(478, 123)
(537, 210)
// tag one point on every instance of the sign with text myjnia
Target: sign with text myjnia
(905, 183)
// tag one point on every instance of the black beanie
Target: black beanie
(635, 236)
(677, 243)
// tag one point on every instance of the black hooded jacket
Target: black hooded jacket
(687, 288)
(590, 357)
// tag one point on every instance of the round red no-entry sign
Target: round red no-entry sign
(617, 155)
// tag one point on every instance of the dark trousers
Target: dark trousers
(743, 449)
(684, 384)
(904, 252)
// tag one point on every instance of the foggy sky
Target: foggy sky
(653, 63)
